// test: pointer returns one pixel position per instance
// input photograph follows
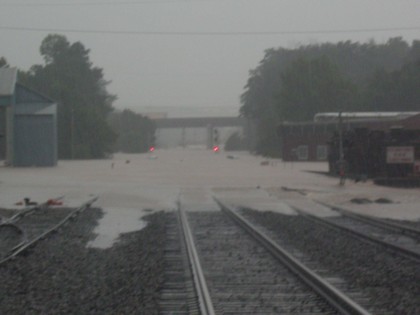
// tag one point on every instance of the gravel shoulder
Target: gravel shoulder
(63, 276)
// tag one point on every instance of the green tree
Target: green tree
(310, 86)
(376, 91)
(235, 143)
(259, 99)
(395, 91)
(135, 133)
(69, 78)
(349, 68)
(3, 62)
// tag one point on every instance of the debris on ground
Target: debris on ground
(366, 200)
(383, 200)
(360, 201)
(54, 202)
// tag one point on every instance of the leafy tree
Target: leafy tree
(376, 91)
(258, 100)
(312, 86)
(69, 77)
(136, 133)
(3, 62)
(407, 81)
(279, 88)
(414, 54)
(395, 91)
(235, 143)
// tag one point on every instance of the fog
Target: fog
(205, 63)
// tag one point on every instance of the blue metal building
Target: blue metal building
(28, 124)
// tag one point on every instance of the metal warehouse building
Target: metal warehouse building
(28, 131)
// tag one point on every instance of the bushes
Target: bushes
(235, 143)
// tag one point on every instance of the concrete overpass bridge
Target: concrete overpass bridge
(199, 131)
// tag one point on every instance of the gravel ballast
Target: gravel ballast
(60, 275)
(392, 282)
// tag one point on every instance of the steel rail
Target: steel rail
(335, 297)
(19, 231)
(407, 230)
(29, 210)
(24, 246)
(22, 213)
(205, 302)
(13, 226)
(364, 237)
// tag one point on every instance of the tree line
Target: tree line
(129, 126)
(85, 127)
(295, 84)
(287, 85)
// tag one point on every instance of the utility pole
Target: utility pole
(341, 162)
(72, 133)
(183, 138)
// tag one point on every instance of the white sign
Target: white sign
(400, 155)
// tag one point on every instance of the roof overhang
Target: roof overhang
(8, 78)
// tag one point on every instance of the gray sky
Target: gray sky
(186, 70)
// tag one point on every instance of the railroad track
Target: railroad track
(31, 209)
(392, 236)
(386, 224)
(238, 270)
(178, 295)
(389, 281)
(24, 229)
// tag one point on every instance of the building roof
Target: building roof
(406, 120)
(359, 116)
(7, 81)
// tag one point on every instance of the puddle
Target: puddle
(113, 223)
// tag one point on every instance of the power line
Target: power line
(63, 4)
(197, 33)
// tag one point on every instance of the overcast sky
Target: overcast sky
(206, 63)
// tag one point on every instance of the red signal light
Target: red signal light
(216, 148)
(152, 149)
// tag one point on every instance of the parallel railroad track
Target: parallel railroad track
(386, 224)
(29, 210)
(29, 226)
(394, 237)
(238, 270)
(389, 282)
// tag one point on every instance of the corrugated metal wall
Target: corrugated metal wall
(35, 143)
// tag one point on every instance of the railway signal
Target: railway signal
(216, 147)
(215, 136)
